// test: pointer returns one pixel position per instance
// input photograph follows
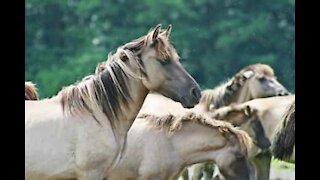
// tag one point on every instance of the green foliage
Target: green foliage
(65, 39)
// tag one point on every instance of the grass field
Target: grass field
(281, 170)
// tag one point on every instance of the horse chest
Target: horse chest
(95, 147)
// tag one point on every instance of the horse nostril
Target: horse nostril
(283, 93)
(195, 93)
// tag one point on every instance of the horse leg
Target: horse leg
(262, 164)
(216, 173)
(208, 171)
(198, 171)
(185, 174)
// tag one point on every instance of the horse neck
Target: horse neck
(189, 143)
(138, 93)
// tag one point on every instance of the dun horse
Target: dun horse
(269, 112)
(81, 132)
(253, 81)
(159, 147)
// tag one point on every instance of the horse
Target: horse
(159, 147)
(30, 92)
(269, 112)
(81, 132)
(251, 82)
(284, 136)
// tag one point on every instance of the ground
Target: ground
(282, 171)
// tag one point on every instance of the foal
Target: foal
(159, 147)
(269, 112)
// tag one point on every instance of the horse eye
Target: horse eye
(262, 79)
(164, 62)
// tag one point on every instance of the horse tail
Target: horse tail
(30, 92)
(284, 139)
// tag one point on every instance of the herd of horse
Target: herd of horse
(141, 115)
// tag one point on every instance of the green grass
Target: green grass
(281, 164)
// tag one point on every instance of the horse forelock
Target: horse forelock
(165, 49)
(162, 46)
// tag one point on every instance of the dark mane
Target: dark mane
(106, 90)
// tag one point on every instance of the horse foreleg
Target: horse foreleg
(216, 173)
(208, 171)
(185, 174)
(262, 164)
(198, 171)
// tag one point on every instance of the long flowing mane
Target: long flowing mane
(106, 90)
(284, 138)
(171, 123)
(222, 94)
(30, 92)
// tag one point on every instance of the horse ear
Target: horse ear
(123, 56)
(248, 74)
(167, 32)
(155, 32)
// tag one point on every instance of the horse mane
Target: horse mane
(30, 92)
(221, 95)
(105, 90)
(207, 97)
(171, 124)
(284, 138)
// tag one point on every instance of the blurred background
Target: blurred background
(65, 39)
